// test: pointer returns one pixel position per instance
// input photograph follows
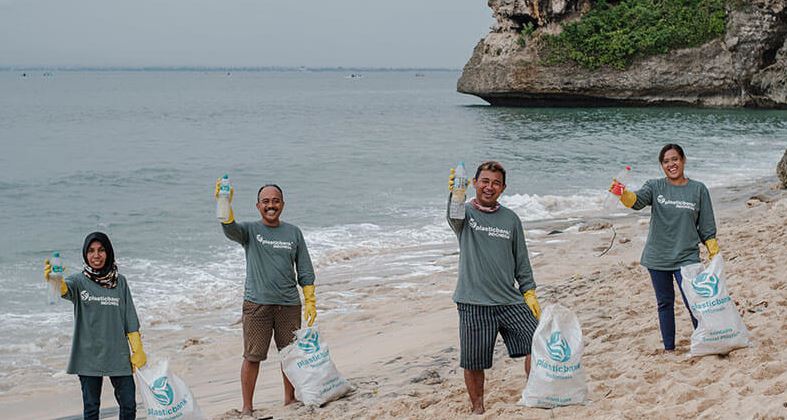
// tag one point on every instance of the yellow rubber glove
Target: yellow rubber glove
(713, 247)
(309, 305)
(138, 358)
(532, 303)
(627, 197)
(231, 219)
(451, 176)
(48, 270)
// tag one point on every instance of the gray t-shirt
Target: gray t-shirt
(273, 255)
(680, 217)
(494, 268)
(102, 318)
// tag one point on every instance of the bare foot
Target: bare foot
(247, 412)
(479, 409)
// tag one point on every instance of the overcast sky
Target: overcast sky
(312, 33)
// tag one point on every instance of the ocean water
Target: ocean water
(363, 163)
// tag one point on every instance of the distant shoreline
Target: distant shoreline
(229, 69)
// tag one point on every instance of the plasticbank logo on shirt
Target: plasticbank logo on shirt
(102, 300)
(677, 203)
(492, 231)
(274, 244)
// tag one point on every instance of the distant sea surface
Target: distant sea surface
(363, 163)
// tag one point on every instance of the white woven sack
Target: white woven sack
(720, 328)
(557, 377)
(165, 395)
(308, 365)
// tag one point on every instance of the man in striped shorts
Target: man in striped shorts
(492, 258)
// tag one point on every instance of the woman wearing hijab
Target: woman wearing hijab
(105, 323)
(681, 217)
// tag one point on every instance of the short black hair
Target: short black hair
(493, 166)
(270, 185)
(668, 147)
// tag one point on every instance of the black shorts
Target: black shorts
(479, 326)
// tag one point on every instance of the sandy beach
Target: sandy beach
(399, 346)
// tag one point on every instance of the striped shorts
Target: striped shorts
(479, 326)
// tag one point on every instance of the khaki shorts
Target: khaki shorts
(260, 322)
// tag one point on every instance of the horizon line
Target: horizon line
(220, 68)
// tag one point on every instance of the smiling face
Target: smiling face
(96, 255)
(488, 187)
(270, 203)
(672, 163)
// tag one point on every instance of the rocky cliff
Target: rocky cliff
(746, 67)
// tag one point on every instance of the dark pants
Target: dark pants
(665, 297)
(125, 394)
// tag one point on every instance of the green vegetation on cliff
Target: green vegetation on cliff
(614, 35)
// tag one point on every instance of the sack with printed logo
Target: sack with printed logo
(720, 328)
(308, 365)
(165, 395)
(557, 377)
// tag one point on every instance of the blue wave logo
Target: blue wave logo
(310, 343)
(706, 285)
(162, 391)
(558, 348)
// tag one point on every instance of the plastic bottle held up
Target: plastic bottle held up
(457, 206)
(622, 177)
(55, 277)
(223, 200)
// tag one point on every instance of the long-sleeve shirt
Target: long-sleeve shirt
(102, 318)
(494, 268)
(277, 260)
(681, 216)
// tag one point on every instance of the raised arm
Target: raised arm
(233, 231)
(455, 224)
(633, 200)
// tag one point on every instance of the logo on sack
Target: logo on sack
(558, 348)
(706, 285)
(310, 343)
(162, 391)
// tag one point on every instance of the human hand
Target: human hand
(218, 187)
(138, 357)
(47, 269)
(309, 305)
(532, 303)
(617, 188)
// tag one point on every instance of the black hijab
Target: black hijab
(107, 275)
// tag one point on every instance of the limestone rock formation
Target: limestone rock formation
(781, 170)
(747, 67)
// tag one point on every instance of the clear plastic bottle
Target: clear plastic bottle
(457, 206)
(223, 201)
(622, 177)
(55, 277)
